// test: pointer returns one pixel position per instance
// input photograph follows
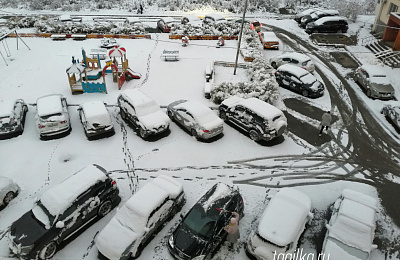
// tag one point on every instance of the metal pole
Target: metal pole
(240, 36)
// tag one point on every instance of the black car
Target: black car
(12, 117)
(317, 15)
(299, 80)
(201, 230)
(62, 211)
(330, 24)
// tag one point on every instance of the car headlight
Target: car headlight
(171, 241)
(26, 249)
(200, 257)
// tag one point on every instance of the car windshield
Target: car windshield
(201, 222)
(308, 79)
(305, 62)
(267, 241)
(350, 250)
(43, 215)
(46, 117)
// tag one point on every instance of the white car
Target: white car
(214, 19)
(192, 20)
(351, 229)
(197, 118)
(52, 116)
(95, 119)
(140, 218)
(8, 190)
(281, 225)
(293, 58)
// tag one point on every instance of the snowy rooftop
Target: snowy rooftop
(49, 105)
(61, 196)
(277, 223)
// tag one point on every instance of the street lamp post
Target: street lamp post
(240, 36)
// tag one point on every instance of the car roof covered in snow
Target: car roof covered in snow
(6, 107)
(329, 18)
(61, 196)
(48, 105)
(199, 111)
(373, 70)
(5, 182)
(221, 191)
(94, 109)
(327, 12)
(144, 105)
(307, 12)
(260, 107)
(269, 36)
(169, 19)
(278, 223)
(295, 55)
(292, 69)
(215, 17)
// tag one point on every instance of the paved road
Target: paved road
(373, 150)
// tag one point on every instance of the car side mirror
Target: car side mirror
(60, 224)
(181, 216)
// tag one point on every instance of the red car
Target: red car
(165, 24)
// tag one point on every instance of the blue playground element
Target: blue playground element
(94, 87)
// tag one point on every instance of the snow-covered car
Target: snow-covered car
(108, 43)
(214, 19)
(165, 24)
(261, 120)
(317, 15)
(392, 113)
(143, 112)
(300, 15)
(62, 211)
(140, 218)
(374, 81)
(197, 118)
(329, 24)
(294, 58)
(95, 119)
(52, 116)
(269, 40)
(201, 230)
(299, 80)
(192, 20)
(8, 190)
(12, 116)
(351, 229)
(281, 225)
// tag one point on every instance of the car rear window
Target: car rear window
(49, 116)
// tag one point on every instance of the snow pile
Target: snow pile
(262, 84)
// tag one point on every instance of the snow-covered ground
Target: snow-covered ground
(37, 165)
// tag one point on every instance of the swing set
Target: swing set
(3, 40)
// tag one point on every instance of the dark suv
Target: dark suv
(201, 231)
(331, 24)
(62, 211)
(317, 15)
(261, 120)
(299, 80)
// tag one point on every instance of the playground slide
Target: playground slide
(130, 74)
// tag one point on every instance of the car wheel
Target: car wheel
(194, 133)
(254, 135)
(48, 251)
(369, 93)
(273, 64)
(9, 196)
(222, 115)
(104, 208)
(305, 93)
(171, 116)
(142, 133)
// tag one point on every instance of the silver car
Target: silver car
(197, 118)
(95, 119)
(374, 81)
(52, 116)
(12, 116)
(8, 190)
(294, 58)
(392, 113)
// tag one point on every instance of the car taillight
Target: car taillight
(276, 73)
(114, 184)
(206, 131)
(41, 126)
(304, 68)
(63, 122)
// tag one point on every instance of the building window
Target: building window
(392, 8)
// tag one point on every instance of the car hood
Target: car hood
(187, 242)
(27, 230)
(213, 124)
(382, 87)
(115, 248)
(154, 120)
